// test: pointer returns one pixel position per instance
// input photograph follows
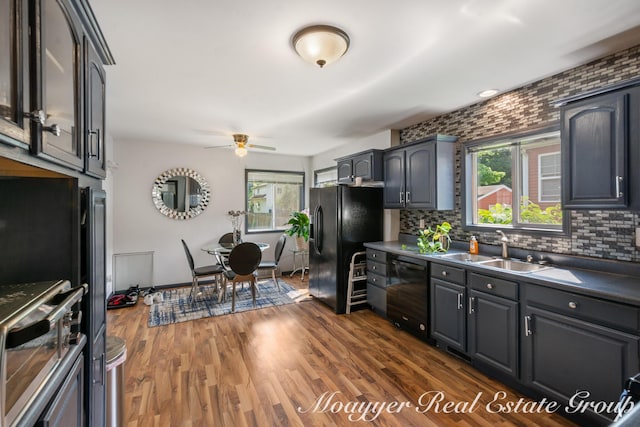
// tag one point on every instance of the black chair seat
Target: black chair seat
(268, 264)
(208, 270)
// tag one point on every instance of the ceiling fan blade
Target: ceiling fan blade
(262, 147)
(219, 146)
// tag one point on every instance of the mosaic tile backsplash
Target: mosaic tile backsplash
(600, 234)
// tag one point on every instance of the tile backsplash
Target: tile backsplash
(601, 234)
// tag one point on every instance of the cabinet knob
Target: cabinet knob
(573, 304)
(444, 273)
(373, 267)
(373, 255)
(374, 280)
(37, 116)
(54, 129)
(490, 286)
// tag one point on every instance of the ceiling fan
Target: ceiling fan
(240, 142)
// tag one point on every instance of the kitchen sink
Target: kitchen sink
(467, 257)
(514, 265)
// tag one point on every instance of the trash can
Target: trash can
(116, 355)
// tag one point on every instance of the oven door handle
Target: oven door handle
(17, 337)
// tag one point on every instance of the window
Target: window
(325, 177)
(514, 181)
(271, 197)
(549, 177)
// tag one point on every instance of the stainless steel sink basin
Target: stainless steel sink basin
(514, 265)
(467, 257)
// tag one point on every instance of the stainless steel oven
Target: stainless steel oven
(39, 324)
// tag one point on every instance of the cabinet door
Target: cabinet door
(563, 355)
(95, 161)
(393, 179)
(493, 331)
(14, 72)
(448, 320)
(57, 47)
(363, 166)
(345, 171)
(594, 149)
(420, 175)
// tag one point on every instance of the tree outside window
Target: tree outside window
(271, 197)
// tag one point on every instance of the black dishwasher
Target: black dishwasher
(408, 295)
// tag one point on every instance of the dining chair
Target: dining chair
(197, 273)
(274, 265)
(226, 238)
(243, 262)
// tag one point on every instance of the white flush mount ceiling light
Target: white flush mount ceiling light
(487, 93)
(320, 44)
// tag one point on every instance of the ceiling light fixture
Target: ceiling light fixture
(241, 151)
(320, 44)
(487, 93)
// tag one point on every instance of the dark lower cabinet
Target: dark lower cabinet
(493, 331)
(93, 273)
(569, 359)
(448, 320)
(66, 409)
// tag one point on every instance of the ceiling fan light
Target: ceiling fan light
(320, 44)
(241, 151)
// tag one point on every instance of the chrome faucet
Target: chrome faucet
(505, 248)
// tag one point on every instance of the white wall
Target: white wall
(139, 227)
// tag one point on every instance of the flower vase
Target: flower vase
(237, 236)
(301, 244)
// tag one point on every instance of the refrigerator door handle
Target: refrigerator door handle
(319, 229)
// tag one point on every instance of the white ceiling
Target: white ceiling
(197, 71)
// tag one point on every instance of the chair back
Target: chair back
(189, 257)
(226, 238)
(280, 247)
(245, 258)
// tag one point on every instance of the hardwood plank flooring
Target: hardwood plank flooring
(269, 367)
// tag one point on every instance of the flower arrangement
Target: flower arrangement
(436, 239)
(299, 223)
(236, 223)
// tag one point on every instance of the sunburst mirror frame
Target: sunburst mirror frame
(156, 194)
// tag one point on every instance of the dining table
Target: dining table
(226, 248)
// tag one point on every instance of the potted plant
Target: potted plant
(434, 240)
(299, 223)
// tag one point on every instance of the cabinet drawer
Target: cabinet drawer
(377, 299)
(376, 267)
(584, 307)
(376, 280)
(493, 286)
(450, 274)
(376, 255)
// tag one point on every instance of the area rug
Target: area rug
(178, 306)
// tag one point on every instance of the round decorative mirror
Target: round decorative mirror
(180, 193)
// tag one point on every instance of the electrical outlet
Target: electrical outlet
(422, 223)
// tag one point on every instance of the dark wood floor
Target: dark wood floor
(268, 367)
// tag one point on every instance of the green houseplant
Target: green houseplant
(299, 227)
(436, 239)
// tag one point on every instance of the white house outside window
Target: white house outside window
(271, 197)
(514, 182)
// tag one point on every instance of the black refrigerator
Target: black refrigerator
(342, 218)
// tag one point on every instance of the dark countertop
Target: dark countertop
(615, 287)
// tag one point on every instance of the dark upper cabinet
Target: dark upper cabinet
(14, 72)
(56, 91)
(594, 150)
(600, 133)
(95, 85)
(366, 165)
(421, 174)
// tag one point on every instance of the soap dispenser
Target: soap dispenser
(473, 246)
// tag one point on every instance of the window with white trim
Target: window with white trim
(514, 182)
(271, 198)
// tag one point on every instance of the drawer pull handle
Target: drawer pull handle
(444, 273)
(573, 304)
(460, 301)
(490, 286)
(527, 326)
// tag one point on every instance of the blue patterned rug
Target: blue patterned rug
(179, 307)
